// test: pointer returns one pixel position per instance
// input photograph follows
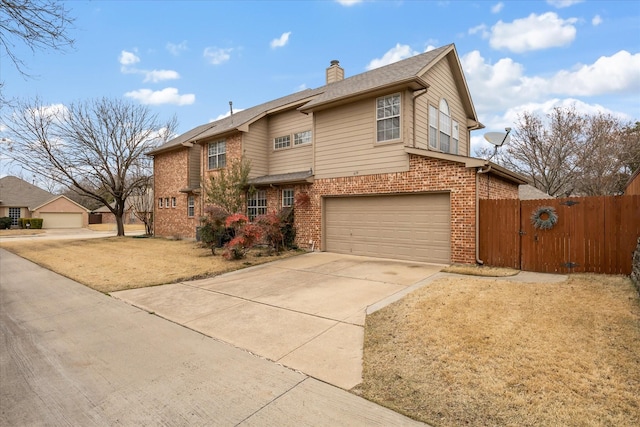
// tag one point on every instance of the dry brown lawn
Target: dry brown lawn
(117, 263)
(480, 352)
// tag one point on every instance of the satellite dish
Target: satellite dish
(498, 138)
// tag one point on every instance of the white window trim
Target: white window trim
(453, 132)
(160, 202)
(191, 206)
(284, 190)
(280, 140)
(257, 209)
(399, 116)
(296, 138)
(217, 154)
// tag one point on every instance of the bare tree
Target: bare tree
(567, 152)
(40, 24)
(98, 144)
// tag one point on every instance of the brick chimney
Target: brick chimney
(335, 72)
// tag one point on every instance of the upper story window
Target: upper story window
(173, 202)
(160, 202)
(444, 132)
(388, 117)
(217, 154)
(302, 138)
(287, 197)
(281, 142)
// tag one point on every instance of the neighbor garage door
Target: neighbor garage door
(411, 227)
(61, 220)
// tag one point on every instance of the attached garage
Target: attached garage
(61, 220)
(413, 227)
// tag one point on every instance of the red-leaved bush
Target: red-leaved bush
(246, 236)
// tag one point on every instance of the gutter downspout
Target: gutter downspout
(479, 171)
(413, 128)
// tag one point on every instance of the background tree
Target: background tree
(97, 144)
(566, 152)
(39, 24)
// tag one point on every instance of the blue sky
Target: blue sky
(190, 58)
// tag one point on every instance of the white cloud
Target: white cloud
(503, 90)
(282, 41)
(176, 48)
(216, 55)
(128, 58)
(534, 32)
(348, 3)
(395, 54)
(609, 74)
(496, 8)
(597, 20)
(168, 95)
(156, 76)
(227, 114)
(563, 3)
(480, 29)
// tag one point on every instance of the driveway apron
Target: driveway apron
(73, 356)
(306, 312)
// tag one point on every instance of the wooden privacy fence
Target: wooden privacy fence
(592, 234)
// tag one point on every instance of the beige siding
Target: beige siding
(255, 145)
(194, 165)
(345, 142)
(294, 158)
(442, 85)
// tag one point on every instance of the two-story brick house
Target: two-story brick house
(383, 156)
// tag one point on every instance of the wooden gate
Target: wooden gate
(592, 234)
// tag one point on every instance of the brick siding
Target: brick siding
(424, 175)
(170, 176)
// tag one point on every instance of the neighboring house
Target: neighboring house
(131, 204)
(20, 199)
(529, 192)
(383, 156)
(633, 185)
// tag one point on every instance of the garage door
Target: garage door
(411, 227)
(61, 220)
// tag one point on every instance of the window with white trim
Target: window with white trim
(445, 126)
(388, 118)
(287, 197)
(173, 202)
(444, 132)
(166, 202)
(300, 138)
(191, 206)
(217, 154)
(256, 204)
(455, 136)
(160, 202)
(14, 214)
(281, 142)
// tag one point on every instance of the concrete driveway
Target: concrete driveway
(305, 312)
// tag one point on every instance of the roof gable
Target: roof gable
(16, 192)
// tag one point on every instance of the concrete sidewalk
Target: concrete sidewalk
(306, 312)
(73, 356)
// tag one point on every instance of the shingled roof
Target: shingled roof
(18, 193)
(402, 72)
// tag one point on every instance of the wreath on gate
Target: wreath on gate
(544, 218)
